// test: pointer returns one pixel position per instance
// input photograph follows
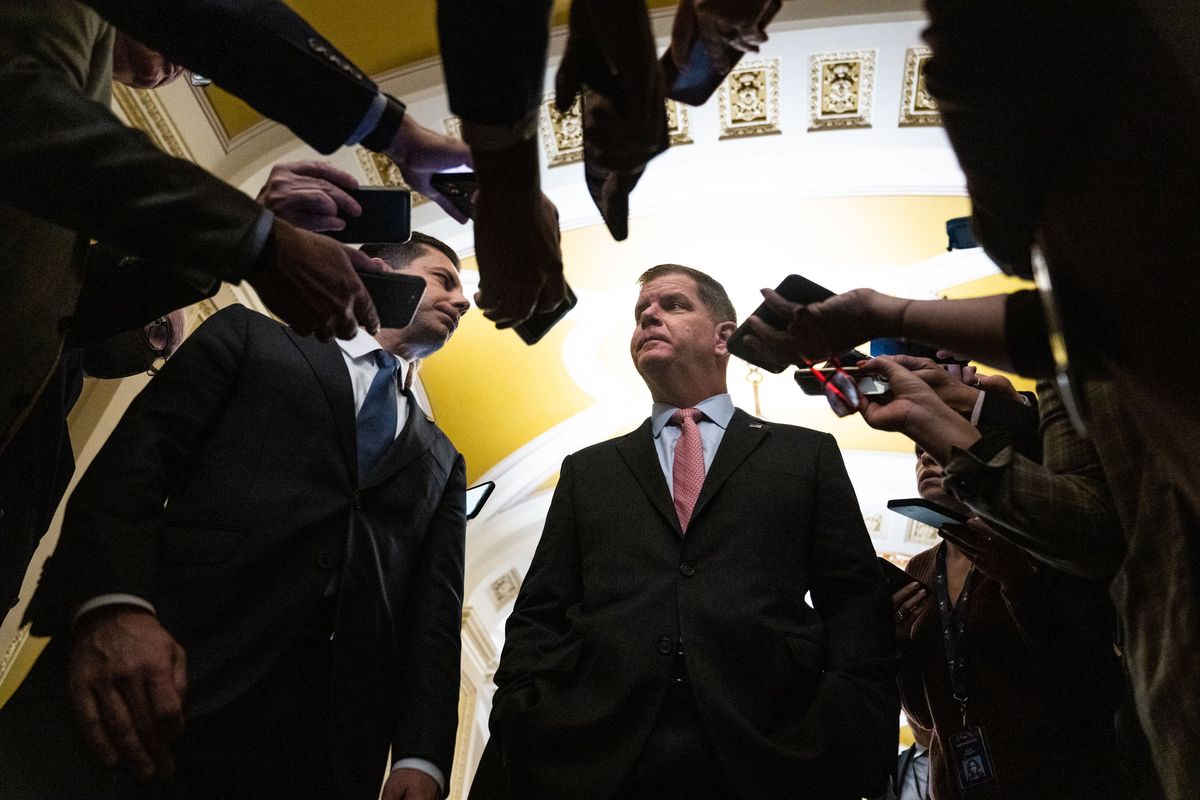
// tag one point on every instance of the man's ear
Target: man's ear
(724, 331)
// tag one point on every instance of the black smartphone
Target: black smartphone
(386, 217)
(796, 288)
(928, 512)
(897, 578)
(695, 81)
(533, 329)
(457, 187)
(396, 296)
(477, 495)
(868, 385)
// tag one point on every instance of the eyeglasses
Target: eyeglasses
(159, 331)
(840, 388)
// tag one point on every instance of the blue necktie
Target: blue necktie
(376, 422)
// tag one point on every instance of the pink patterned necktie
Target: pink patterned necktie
(687, 471)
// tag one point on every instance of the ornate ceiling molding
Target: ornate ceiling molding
(145, 111)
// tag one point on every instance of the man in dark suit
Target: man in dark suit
(267, 554)
(662, 644)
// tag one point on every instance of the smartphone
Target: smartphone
(396, 296)
(796, 288)
(868, 385)
(533, 329)
(386, 217)
(459, 188)
(926, 511)
(695, 81)
(897, 578)
(478, 495)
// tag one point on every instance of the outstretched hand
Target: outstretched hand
(420, 152)
(127, 682)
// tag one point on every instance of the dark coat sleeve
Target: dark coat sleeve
(115, 516)
(540, 621)
(68, 159)
(858, 699)
(494, 55)
(430, 637)
(261, 51)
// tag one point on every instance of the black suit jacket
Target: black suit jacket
(799, 701)
(248, 435)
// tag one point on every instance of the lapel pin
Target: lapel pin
(755, 424)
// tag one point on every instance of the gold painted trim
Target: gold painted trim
(748, 100)
(561, 133)
(13, 652)
(678, 123)
(146, 112)
(917, 107)
(382, 171)
(476, 635)
(840, 87)
(467, 694)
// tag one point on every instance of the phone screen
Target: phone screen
(386, 217)
(476, 496)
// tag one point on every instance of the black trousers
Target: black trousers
(678, 761)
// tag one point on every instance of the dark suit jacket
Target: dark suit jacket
(248, 435)
(71, 171)
(798, 701)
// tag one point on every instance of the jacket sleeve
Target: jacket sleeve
(115, 517)
(261, 51)
(494, 56)
(1061, 510)
(430, 640)
(858, 699)
(541, 619)
(68, 159)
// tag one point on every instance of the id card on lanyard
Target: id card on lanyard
(970, 755)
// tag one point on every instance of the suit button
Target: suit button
(666, 646)
(687, 570)
(358, 503)
(325, 560)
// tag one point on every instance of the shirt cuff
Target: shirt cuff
(112, 600)
(424, 766)
(970, 472)
(977, 410)
(369, 121)
(483, 137)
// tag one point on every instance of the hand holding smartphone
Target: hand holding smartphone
(386, 217)
(795, 288)
(459, 188)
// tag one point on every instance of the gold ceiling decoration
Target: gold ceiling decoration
(561, 132)
(748, 100)
(380, 171)
(678, 125)
(504, 589)
(840, 88)
(916, 106)
(144, 110)
(453, 127)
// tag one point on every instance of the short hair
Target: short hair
(712, 294)
(400, 255)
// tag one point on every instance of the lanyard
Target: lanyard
(954, 628)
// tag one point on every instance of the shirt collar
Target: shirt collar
(718, 409)
(364, 344)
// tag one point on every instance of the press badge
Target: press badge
(972, 760)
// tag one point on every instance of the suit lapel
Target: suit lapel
(637, 449)
(327, 364)
(741, 438)
(415, 438)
